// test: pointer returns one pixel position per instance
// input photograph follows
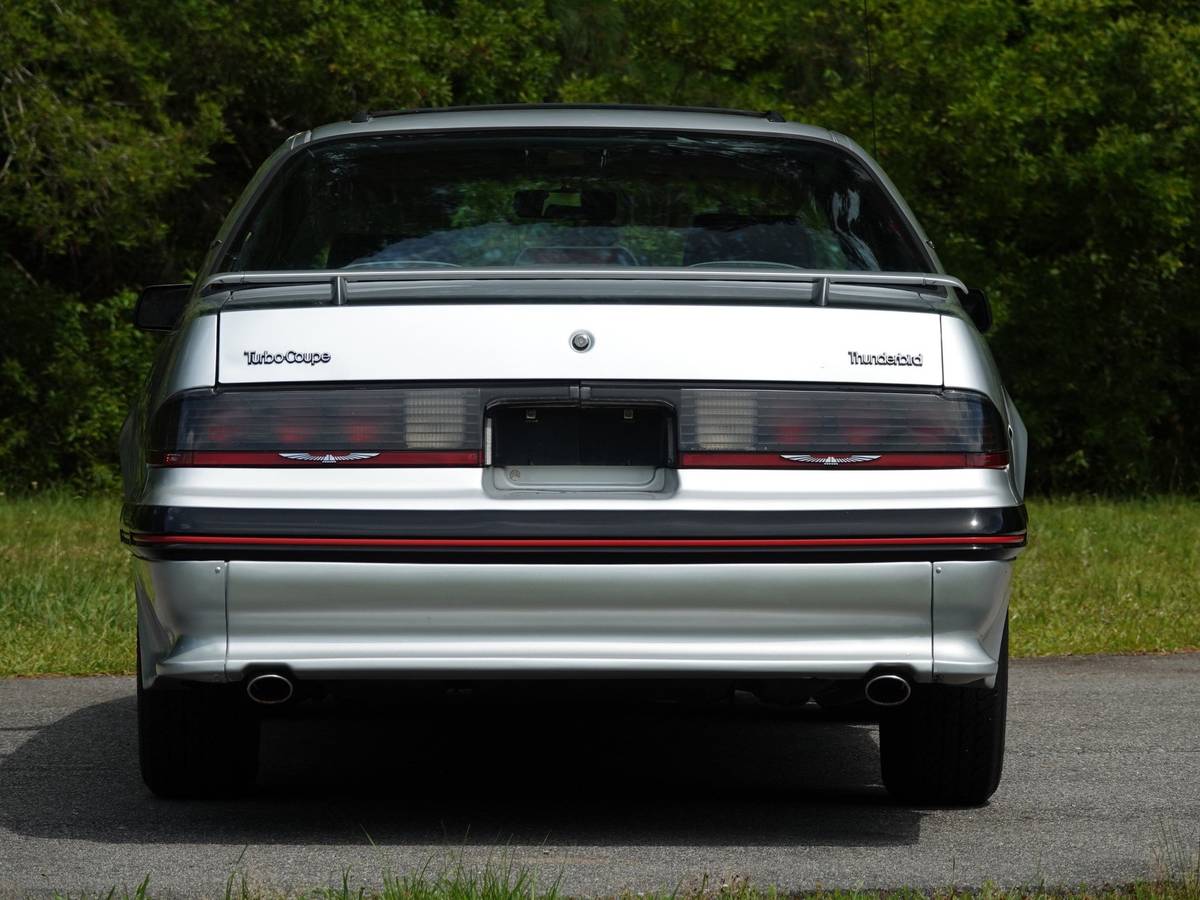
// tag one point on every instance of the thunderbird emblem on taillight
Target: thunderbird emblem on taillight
(829, 460)
(328, 457)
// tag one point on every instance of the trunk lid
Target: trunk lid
(431, 341)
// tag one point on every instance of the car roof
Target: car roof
(554, 115)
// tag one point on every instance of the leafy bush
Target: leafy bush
(67, 372)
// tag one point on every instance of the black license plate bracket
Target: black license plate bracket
(582, 435)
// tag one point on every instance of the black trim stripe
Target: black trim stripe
(575, 523)
(541, 556)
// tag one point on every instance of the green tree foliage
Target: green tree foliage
(1052, 148)
(128, 129)
(1049, 146)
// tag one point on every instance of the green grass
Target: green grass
(1108, 577)
(1098, 577)
(66, 594)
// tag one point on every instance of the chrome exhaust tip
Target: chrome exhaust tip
(269, 689)
(888, 690)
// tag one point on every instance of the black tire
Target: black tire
(945, 746)
(196, 741)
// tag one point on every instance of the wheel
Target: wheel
(196, 741)
(945, 746)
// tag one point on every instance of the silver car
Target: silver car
(645, 396)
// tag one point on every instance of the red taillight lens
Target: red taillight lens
(359, 426)
(849, 428)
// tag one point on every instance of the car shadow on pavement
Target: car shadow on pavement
(481, 774)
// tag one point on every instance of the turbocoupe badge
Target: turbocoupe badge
(293, 357)
(829, 460)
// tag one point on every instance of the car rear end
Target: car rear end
(800, 483)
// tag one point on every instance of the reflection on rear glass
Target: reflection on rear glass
(579, 199)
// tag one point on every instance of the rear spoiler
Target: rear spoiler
(820, 280)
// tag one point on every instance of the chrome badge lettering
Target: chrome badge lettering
(268, 358)
(886, 359)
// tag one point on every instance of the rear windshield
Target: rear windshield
(575, 199)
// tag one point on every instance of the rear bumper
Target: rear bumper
(212, 619)
(421, 574)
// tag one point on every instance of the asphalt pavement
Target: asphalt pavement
(1101, 785)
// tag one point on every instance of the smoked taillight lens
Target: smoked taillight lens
(359, 426)
(721, 428)
(443, 426)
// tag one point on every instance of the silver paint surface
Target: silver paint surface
(181, 619)
(343, 618)
(970, 603)
(193, 358)
(508, 341)
(345, 487)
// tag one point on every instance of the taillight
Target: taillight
(356, 426)
(721, 428)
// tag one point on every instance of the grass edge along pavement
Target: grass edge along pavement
(1099, 576)
(446, 876)
(509, 883)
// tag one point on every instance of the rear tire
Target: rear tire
(945, 746)
(197, 741)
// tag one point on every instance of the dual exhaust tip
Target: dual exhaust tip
(888, 690)
(270, 689)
